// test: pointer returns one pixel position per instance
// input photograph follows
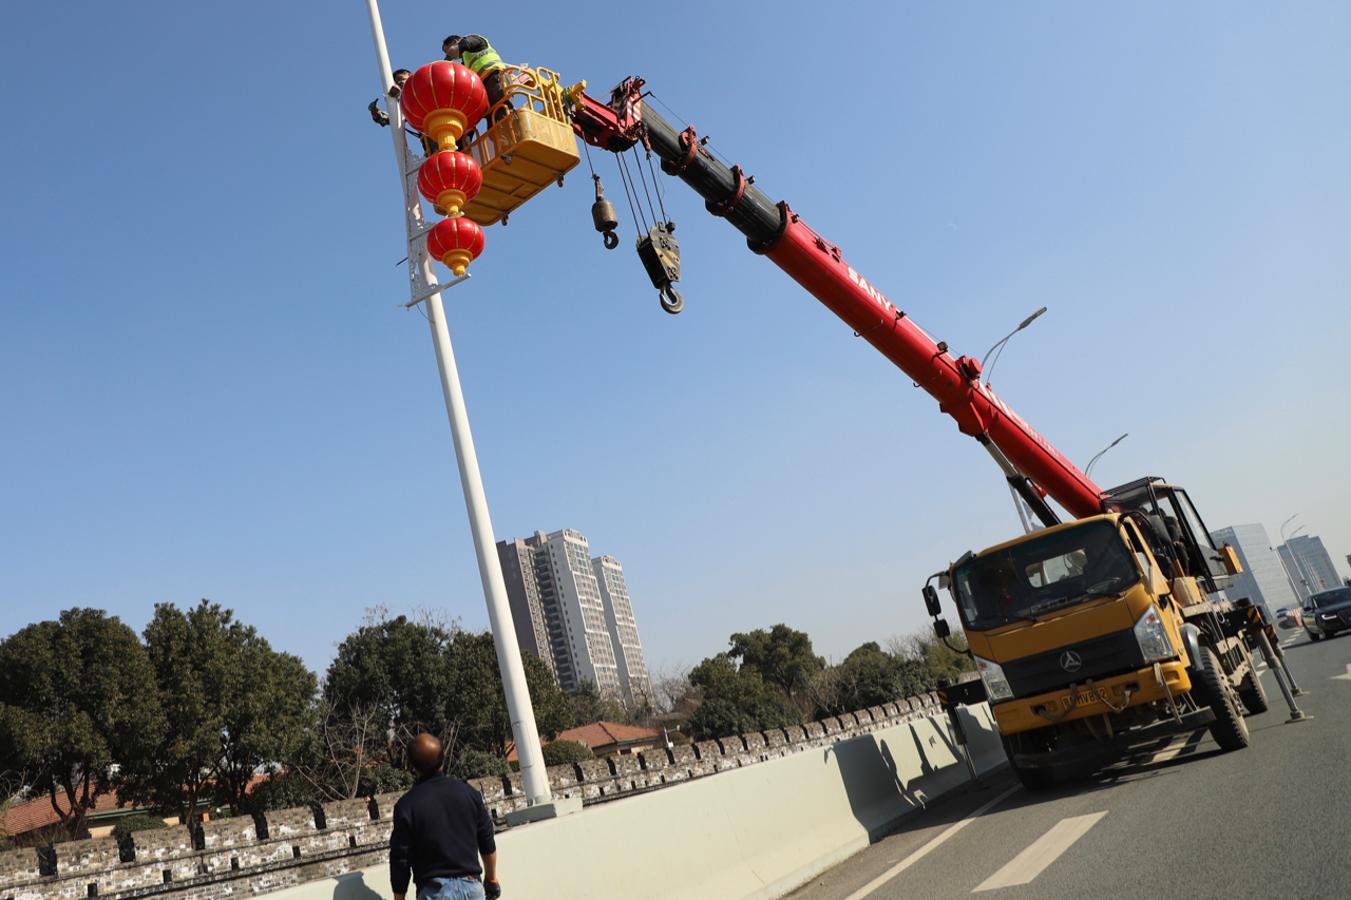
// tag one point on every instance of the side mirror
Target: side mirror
(941, 628)
(931, 601)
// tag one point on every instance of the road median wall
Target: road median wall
(750, 815)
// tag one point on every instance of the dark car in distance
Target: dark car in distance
(1328, 613)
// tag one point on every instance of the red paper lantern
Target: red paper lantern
(449, 180)
(455, 242)
(443, 99)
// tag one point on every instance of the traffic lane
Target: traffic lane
(1188, 821)
(917, 835)
(1254, 823)
(1234, 825)
(967, 858)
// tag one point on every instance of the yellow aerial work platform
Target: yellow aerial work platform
(528, 144)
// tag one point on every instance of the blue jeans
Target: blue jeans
(451, 889)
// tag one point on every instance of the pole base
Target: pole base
(1298, 692)
(1298, 716)
(554, 809)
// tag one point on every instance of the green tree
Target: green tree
(869, 676)
(76, 696)
(782, 656)
(396, 669)
(470, 763)
(129, 825)
(590, 705)
(557, 753)
(736, 700)
(939, 662)
(266, 723)
(477, 704)
(231, 705)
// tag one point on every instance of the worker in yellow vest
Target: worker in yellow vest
(474, 51)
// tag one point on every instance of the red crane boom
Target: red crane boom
(1030, 462)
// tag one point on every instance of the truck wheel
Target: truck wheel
(1253, 693)
(1229, 729)
(1033, 779)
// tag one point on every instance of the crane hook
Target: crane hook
(604, 216)
(671, 301)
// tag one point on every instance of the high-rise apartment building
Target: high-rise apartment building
(1309, 566)
(564, 616)
(623, 628)
(1263, 578)
(523, 595)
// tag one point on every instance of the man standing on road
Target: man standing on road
(441, 828)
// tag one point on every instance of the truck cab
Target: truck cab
(1087, 641)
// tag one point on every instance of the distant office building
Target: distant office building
(623, 628)
(564, 616)
(1263, 578)
(1309, 566)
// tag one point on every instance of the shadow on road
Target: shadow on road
(353, 887)
(876, 789)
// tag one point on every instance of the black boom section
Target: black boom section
(726, 192)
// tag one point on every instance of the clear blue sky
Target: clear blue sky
(208, 389)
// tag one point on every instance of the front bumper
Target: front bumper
(1329, 627)
(1078, 702)
(1093, 756)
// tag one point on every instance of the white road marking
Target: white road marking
(919, 854)
(1346, 677)
(1041, 853)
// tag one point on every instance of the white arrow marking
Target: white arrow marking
(1346, 677)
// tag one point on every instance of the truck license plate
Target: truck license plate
(1087, 698)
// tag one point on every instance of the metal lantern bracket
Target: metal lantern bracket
(436, 290)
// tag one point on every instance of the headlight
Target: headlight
(1151, 636)
(996, 685)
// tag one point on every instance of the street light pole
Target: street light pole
(425, 287)
(1088, 470)
(1299, 570)
(1005, 339)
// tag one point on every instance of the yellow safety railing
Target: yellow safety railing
(526, 145)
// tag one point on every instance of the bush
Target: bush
(136, 822)
(470, 764)
(282, 790)
(560, 753)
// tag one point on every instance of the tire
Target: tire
(1253, 693)
(1034, 779)
(1315, 638)
(1229, 729)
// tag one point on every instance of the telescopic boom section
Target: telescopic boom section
(775, 231)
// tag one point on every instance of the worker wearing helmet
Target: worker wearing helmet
(474, 51)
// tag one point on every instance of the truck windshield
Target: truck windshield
(1022, 582)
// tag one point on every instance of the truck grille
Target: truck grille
(1110, 654)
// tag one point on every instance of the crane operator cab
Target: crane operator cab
(528, 144)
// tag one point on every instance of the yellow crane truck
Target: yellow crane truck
(1100, 634)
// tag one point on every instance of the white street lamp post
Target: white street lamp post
(425, 287)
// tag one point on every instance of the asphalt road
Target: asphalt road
(1189, 821)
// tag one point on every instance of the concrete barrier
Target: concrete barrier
(753, 832)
